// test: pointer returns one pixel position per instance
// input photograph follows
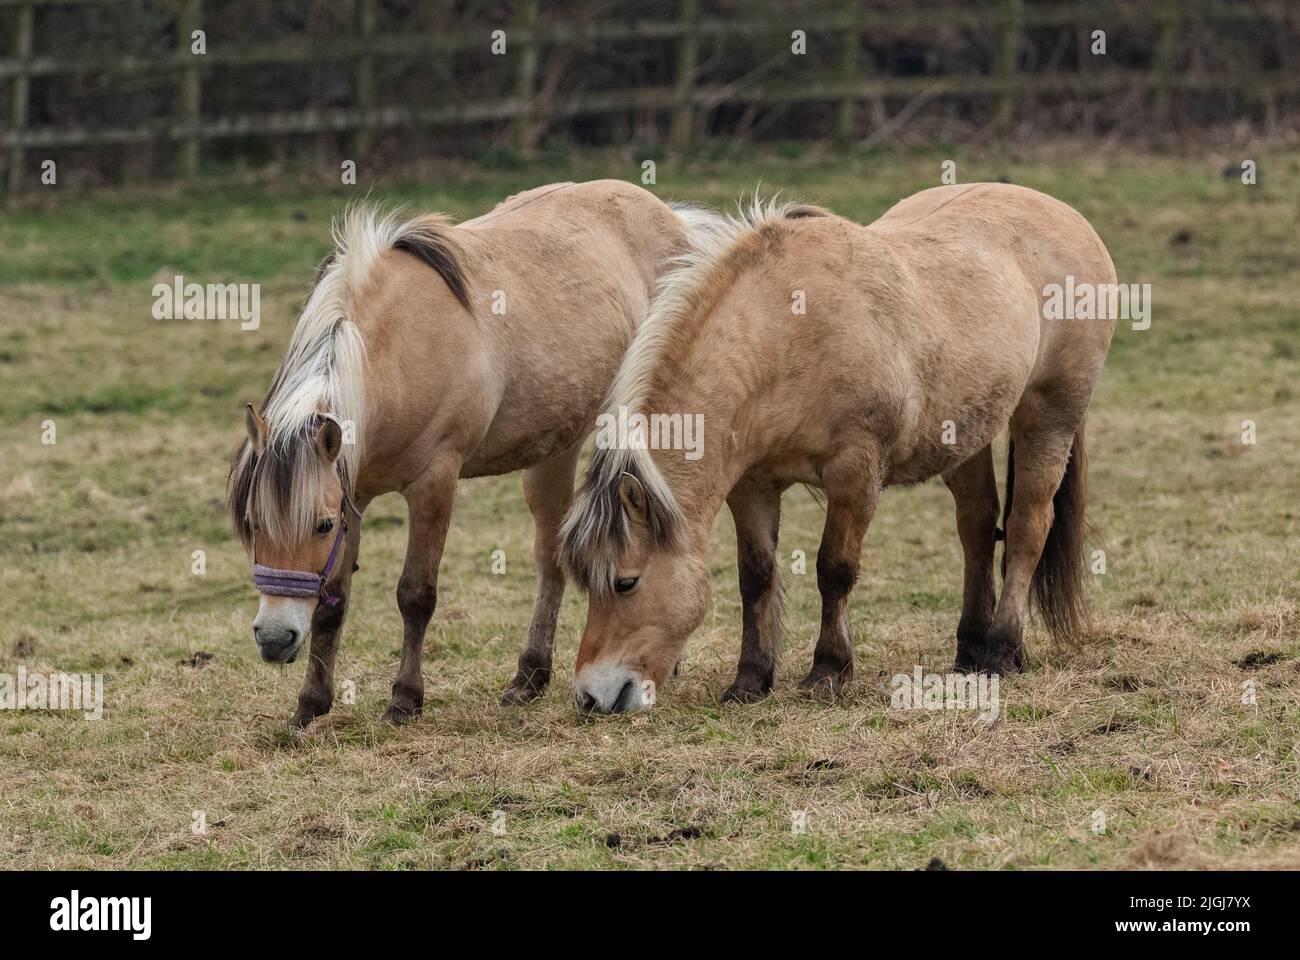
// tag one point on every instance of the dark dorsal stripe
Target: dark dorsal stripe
(434, 250)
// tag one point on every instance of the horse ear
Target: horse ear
(632, 495)
(329, 439)
(256, 427)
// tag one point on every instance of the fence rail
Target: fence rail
(684, 100)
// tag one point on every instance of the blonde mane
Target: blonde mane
(684, 292)
(595, 529)
(323, 374)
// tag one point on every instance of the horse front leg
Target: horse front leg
(755, 506)
(317, 694)
(548, 489)
(429, 506)
(852, 490)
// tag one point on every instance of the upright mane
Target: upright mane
(595, 530)
(323, 374)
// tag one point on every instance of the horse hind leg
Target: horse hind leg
(974, 489)
(548, 489)
(1043, 561)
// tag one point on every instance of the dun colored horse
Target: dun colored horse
(848, 358)
(429, 352)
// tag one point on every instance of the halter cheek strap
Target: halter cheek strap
(300, 583)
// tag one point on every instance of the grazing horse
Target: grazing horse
(425, 353)
(847, 358)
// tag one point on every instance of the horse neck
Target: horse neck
(716, 383)
(398, 412)
(383, 442)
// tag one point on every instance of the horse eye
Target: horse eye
(624, 584)
(325, 526)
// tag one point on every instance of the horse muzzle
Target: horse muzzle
(612, 689)
(281, 626)
(278, 644)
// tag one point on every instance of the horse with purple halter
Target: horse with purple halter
(300, 583)
(401, 377)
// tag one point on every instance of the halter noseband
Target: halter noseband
(300, 583)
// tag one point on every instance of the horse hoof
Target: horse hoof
(398, 716)
(992, 664)
(747, 690)
(824, 684)
(517, 694)
(529, 684)
(998, 654)
(304, 715)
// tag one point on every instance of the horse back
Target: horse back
(1003, 247)
(932, 317)
(576, 265)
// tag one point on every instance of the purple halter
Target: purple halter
(300, 583)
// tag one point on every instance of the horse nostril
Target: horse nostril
(624, 698)
(586, 702)
(275, 641)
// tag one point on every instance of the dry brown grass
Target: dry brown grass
(1144, 723)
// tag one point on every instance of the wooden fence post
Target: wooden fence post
(1006, 65)
(843, 87)
(687, 52)
(363, 93)
(1162, 61)
(848, 73)
(19, 87)
(526, 80)
(190, 95)
(1086, 67)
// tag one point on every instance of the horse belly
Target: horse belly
(516, 442)
(948, 433)
(550, 406)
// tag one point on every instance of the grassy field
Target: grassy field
(1145, 723)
